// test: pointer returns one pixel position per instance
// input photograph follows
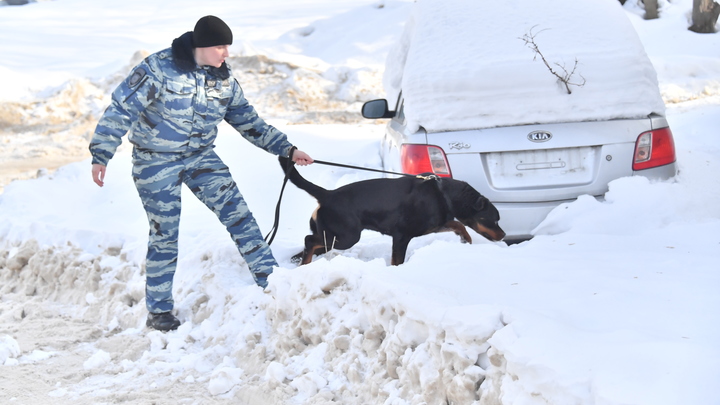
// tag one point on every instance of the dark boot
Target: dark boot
(164, 321)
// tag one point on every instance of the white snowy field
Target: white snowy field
(613, 302)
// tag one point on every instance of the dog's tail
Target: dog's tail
(299, 181)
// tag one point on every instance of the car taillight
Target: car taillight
(654, 148)
(417, 159)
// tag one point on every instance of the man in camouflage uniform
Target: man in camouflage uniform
(172, 103)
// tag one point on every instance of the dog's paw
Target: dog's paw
(297, 259)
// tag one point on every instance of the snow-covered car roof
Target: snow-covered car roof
(463, 64)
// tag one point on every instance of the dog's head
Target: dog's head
(473, 210)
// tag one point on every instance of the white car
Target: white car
(475, 99)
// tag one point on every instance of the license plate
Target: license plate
(541, 168)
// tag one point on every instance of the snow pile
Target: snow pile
(339, 328)
(457, 72)
(335, 331)
(297, 94)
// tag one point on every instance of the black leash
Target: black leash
(274, 229)
(322, 162)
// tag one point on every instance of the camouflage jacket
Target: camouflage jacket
(171, 105)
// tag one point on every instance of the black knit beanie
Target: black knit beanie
(211, 31)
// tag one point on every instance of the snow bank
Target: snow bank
(460, 73)
(339, 327)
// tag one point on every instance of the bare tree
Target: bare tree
(651, 9)
(704, 16)
(564, 77)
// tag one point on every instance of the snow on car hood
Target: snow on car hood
(462, 64)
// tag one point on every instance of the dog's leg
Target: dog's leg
(459, 230)
(313, 243)
(399, 249)
(309, 253)
(297, 258)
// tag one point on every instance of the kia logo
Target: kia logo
(539, 136)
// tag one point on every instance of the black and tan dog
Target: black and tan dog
(402, 208)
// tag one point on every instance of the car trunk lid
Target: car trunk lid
(548, 162)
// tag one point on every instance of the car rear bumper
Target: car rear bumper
(659, 173)
(518, 220)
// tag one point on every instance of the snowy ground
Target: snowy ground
(612, 303)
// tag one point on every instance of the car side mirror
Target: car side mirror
(377, 109)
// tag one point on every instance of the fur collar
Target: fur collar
(182, 51)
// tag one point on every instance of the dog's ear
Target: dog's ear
(481, 203)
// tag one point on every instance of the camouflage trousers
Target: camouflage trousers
(158, 178)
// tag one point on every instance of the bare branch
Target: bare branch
(565, 77)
